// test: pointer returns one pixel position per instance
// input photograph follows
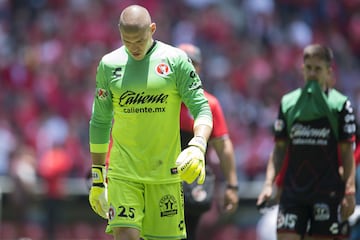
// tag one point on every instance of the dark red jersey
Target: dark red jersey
(311, 168)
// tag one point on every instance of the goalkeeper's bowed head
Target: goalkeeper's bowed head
(191, 161)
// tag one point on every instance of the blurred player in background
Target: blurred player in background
(268, 199)
(139, 90)
(354, 219)
(314, 133)
(198, 198)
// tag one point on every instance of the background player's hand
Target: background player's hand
(264, 196)
(98, 191)
(347, 206)
(231, 200)
(191, 161)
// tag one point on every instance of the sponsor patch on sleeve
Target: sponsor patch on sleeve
(101, 94)
(278, 125)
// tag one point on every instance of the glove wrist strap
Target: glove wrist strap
(97, 175)
(198, 141)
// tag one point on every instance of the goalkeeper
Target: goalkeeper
(139, 90)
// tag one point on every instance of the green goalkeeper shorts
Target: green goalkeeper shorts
(156, 210)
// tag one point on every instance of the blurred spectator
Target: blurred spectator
(8, 144)
(54, 166)
(53, 131)
(26, 185)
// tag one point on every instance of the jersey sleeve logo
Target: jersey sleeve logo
(195, 85)
(117, 72)
(279, 125)
(101, 94)
(162, 69)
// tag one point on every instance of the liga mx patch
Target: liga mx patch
(101, 94)
(168, 206)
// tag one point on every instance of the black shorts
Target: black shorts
(316, 219)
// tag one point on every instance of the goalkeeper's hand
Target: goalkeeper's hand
(98, 191)
(191, 161)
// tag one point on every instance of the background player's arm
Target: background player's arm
(347, 130)
(267, 189)
(347, 156)
(270, 171)
(222, 143)
(274, 166)
(278, 157)
(225, 152)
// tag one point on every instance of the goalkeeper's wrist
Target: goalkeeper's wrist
(97, 175)
(200, 142)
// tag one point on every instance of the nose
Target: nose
(312, 72)
(132, 47)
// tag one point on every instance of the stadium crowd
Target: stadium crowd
(49, 50)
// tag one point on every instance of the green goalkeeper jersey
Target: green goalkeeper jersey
(139, 103)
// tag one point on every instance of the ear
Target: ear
(302, 70)
(331, 70)
(302, 67)
(332, 78)
(153, 28)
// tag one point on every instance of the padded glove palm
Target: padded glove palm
(98, 191)
(191, 161)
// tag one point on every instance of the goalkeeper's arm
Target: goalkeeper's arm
(203, 130)
(98, 158)
(98, 190)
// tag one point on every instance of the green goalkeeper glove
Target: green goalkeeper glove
(98, 191)
(191, 161)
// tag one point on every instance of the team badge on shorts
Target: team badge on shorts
(321, 212)
(168, 206)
